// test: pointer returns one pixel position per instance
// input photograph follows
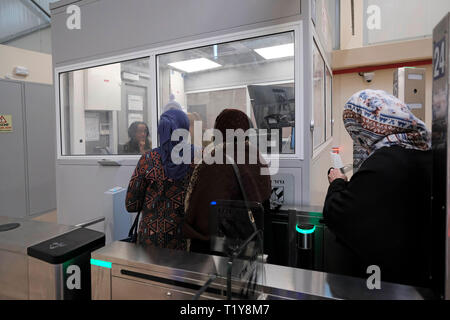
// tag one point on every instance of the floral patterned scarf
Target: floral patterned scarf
(375, 119)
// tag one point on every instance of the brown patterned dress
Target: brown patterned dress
(161, 202)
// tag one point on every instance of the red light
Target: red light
(335, 150)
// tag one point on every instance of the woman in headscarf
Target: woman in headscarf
(211, 182)
(382, 215)
(139, 143)
(158, 186)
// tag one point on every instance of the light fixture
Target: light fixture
(281, 51)
(195, 65)
(305, 231)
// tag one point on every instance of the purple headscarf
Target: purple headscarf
(170, 121)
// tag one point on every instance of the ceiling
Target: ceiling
(21, 17)
(230, 54)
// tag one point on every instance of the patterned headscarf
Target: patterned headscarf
(375, 119)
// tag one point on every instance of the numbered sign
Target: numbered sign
(439, 59)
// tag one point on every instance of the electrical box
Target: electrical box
(102, 88)
(409, 87)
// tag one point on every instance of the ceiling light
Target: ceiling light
(195, 65)
(281, 51)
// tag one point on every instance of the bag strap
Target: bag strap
(133, 229)
(244, 194)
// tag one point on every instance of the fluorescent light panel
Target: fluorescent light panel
(281, 51)
(195, 65)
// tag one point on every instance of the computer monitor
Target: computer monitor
(273, 105)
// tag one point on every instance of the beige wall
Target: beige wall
(348, 39)
(38, 64)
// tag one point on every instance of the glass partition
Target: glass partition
(105, 109)
(254, 75)
(318, 98)
(328, 104)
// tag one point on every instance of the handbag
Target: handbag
(236, 220)
(132, 234)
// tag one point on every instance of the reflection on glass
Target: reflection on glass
(318, 98)
(328, 113)
(254, 75)
(104, 109)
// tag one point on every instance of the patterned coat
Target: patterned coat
(161, 202)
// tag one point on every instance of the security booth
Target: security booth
(270, 60)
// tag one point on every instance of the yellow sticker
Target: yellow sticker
(6, 123)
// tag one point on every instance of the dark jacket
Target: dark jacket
(218, 182)
(383, 215)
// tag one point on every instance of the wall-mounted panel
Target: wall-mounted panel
(12, 153)
(40, 128)
(149, 23)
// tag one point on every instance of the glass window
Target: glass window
(329, 115)
(253, 75)
(318, 98)
(104, 109)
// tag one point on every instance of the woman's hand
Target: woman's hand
(336, 174)
(142, 146)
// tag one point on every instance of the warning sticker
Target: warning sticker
(6, 123)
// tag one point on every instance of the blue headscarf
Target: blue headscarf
(170, 121)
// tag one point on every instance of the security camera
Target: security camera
(368, 76)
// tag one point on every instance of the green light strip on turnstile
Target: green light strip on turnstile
(305, 231)
(100, 263)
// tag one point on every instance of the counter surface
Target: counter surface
(279, 281)
(29, 233)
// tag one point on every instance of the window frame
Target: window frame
(153, 103)
(319, 148)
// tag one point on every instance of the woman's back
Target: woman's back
(383, 213)
(161, 201)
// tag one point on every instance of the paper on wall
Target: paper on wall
(92, 127)
(135, 102)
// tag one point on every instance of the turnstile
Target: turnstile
(41, 260)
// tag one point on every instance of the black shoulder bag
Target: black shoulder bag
(132, 234)
(236, 219)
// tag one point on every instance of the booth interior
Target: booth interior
(276, 68)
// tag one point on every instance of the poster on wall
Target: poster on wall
(92, 126)
(135, 102)
(6, 123)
